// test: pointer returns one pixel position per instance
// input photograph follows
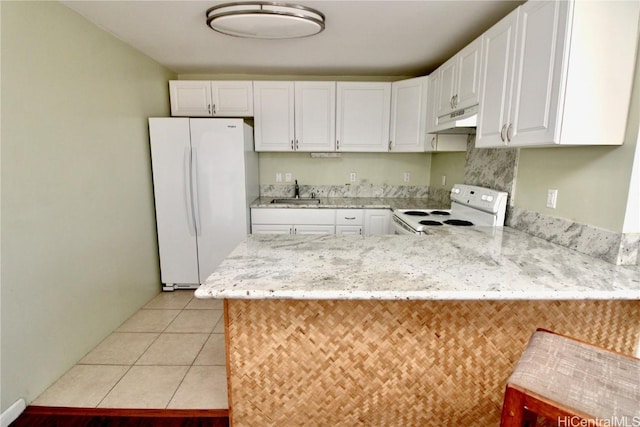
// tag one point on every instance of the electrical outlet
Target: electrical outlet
(278, 177)
(552, 198)
(287, 177)
(352, 177)
(406, 176)
(444, 180)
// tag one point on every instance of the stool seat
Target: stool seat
(571, 378)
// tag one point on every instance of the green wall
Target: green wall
(594, 183)
(373, 168)
(449, 165)
(79, 247)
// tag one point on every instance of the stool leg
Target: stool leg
(513, 412)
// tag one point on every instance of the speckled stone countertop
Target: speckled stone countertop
(451, 263)
(351, 203)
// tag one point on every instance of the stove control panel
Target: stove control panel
(481, 198)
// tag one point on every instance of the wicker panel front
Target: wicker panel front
(394, 363)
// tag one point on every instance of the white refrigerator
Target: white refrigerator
(205, 175)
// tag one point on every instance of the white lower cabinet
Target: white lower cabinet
(349, 221)
(292, 221)
(320, 221)
(377, 221)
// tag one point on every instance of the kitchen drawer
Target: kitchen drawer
(292, 216)
(349, 216)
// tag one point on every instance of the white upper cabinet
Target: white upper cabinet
(459, 80)
(200, 98)
(409, 114)
(439, 142)
(294, 116)
(315, 116)
(274, 125)
(362, 116)
(556, 73)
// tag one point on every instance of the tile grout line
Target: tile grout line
(143, 352)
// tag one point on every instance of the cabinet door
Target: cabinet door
(271, 229)
(363, 111)
(446, 90)
(232, 98)
(449, 143)
(377, 221)
(432, 105)
(314, 229)
(537, 75)
(468, 77)
(315, 116)
(409, 114)
(498, 54)
(274, 115)
(190, 98)
(348, 229)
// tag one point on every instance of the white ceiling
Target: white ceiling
(367, 38)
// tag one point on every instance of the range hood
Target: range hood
(458, 122)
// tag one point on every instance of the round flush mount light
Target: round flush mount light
(265, 20)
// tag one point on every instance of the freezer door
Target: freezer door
(171, 159)
(220, 189)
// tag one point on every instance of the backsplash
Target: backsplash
(491, 167)
(363, 189)
(497, 169)
(616, 248)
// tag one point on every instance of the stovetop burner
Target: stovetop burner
(458, 222)
(416, 213)
(429, 222)
(444, 213)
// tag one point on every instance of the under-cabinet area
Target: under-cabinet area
(320, 221)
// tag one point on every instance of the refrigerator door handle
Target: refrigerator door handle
(189, 191)
(194, 185)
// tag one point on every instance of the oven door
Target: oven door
(400, 227)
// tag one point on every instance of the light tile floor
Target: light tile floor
(170, 354)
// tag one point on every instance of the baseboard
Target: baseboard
(12, 413)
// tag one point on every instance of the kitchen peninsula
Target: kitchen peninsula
(403, 330)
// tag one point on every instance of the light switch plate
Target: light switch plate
(287, 177)
(278, 177)
(552, 198)
(352, 177)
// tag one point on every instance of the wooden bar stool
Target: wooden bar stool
(572, 384)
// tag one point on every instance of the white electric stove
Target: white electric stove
(470, 206)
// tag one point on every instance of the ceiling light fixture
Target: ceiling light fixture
(265, 20)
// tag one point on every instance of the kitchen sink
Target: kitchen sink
(306, 201)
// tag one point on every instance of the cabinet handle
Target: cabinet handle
(451, 102)
(504, 126)
(209, 108)
(214, 109)
(350, 217)
(292, 145)
(433, 142)
(455, 102)
(360, 231)
(297, 144)
(390, 142)
(337, 144)
(295, 231)
(509, 132)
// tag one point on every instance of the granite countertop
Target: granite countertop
(351, 203)
(450, 263)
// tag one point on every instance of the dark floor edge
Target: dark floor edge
(122, 412)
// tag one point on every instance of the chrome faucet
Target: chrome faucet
(296, 193)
